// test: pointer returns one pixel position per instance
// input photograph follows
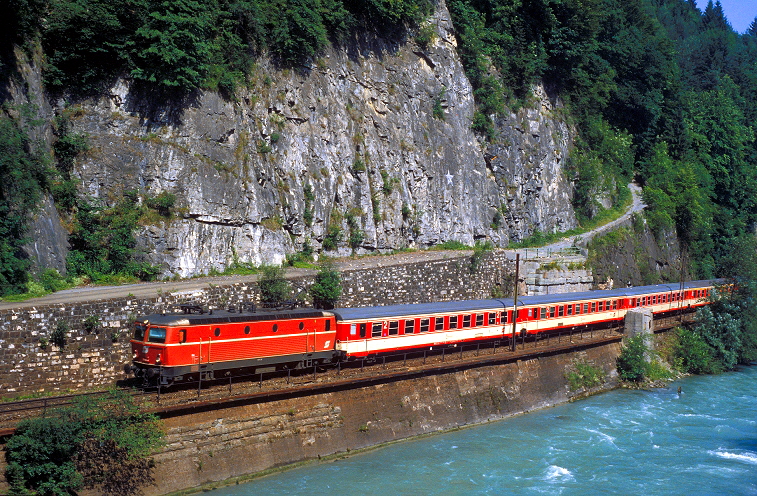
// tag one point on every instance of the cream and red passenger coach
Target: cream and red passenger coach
(172, 346)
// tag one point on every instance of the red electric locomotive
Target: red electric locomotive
(171, 346)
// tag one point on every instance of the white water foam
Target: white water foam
(558, 473)
(747, 456)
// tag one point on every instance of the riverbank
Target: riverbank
(208, 449)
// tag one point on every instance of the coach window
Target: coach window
(183, 336)
(601, 306)
(560, 311)
(452, 322)
(466, 320)
(570, 309)
(479, 319)
(353, 329)
(409, 326)
(394, 327)
(492, 318)
(543, 312)
(362, 330)
(552, 311)
(586, 308)
(503, 318)
(439, 326)
(274, 328)
(217, 332)
(593, 306)
(376, 330)
(424, 325)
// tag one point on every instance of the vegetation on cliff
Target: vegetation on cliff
(659, 91)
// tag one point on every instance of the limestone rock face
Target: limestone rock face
(359, 130)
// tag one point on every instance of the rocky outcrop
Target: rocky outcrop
(359, 129)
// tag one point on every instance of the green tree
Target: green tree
(175, 45)
(274, 289)
(327, 287)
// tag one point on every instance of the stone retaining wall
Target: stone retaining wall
(96, 358)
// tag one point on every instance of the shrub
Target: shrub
(691, 354)
(162, 203)
(92, 324)
(632, 364)
(584, 375)
(327, 287)
(100, 442)
(52, 281)
(59, 335)
(274, 289)
(332, 238)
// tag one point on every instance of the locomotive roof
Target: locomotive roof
(221, 316)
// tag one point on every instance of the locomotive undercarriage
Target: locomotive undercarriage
(166, 376)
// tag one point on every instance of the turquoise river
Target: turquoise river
(703, 441)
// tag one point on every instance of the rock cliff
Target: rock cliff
(361, 128)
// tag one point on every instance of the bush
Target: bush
(691, 354)
(163, 203)
(584, 375)
(59, 335)
(100, 442)
(274, 289)
(52, 281)
(327, 287)
(632, 364)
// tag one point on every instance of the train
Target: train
(172, 347)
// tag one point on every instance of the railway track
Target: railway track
(232, 390)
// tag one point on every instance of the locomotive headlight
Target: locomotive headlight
(135, 355)
(157, 359)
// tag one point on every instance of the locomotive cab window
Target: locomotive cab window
(246, 329)
(424, 325)
(217, 331)
(376, 330)
(409, 326)
(275, 327)
(139, 332)
(157, 335)
(328, 325)
(183, 336)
